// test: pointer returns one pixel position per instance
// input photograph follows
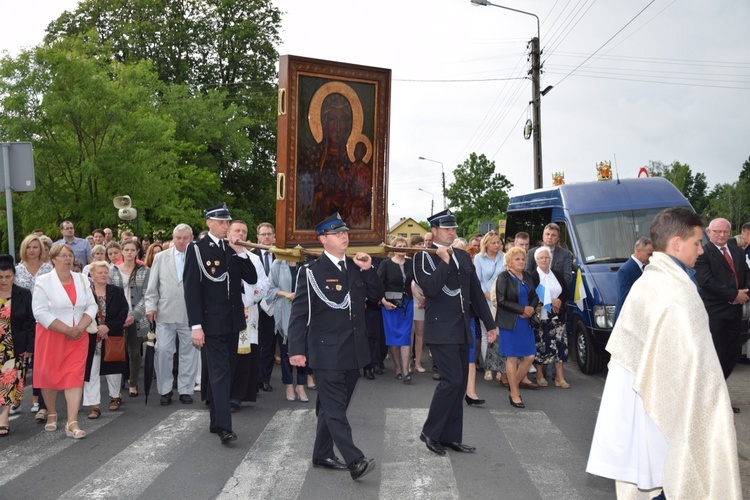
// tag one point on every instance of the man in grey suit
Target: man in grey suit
(562, 259)
(165, 304)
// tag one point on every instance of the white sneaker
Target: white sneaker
(197, 388)
(34, 408)
(532, 369)
(14, 409)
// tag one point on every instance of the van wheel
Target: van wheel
(589, 360)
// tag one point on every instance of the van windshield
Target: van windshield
(610, 236)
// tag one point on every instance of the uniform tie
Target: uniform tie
(342, 265)
(731, 265)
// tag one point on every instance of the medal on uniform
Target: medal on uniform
(213, 270)
(338, 288)
(208, 262)
(216, 262)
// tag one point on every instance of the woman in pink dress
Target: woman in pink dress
(63, 306)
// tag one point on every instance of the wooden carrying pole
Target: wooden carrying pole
(299, 254)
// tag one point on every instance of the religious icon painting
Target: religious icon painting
(332, 156)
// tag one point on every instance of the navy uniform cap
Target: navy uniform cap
(331, 224)
(444, 219)
(219, 212)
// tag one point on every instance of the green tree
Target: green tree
(478, 193)
(206, 45)
(694, 187)
(732, 202)
(101, 128)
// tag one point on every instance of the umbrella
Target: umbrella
(148, 360)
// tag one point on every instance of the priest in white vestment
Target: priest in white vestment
(665, 424)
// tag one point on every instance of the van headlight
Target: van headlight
(603, 316)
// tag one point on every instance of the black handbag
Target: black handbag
(395, 298)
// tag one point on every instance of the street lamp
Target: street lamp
(445, 205)
(432, 203)
(536, 101)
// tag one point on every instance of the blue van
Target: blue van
(600, 223)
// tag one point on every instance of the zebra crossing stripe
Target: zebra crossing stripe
(19, 458)
(130, 472)
(409, 469)
(543, 462)
(285, 445)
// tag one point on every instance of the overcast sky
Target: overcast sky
(674, 84)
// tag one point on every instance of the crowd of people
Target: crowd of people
(77, 309)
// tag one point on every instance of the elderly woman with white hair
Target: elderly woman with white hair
(551, 337)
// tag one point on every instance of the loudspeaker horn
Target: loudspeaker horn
(122, 202)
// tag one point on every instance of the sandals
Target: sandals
(541, 382)
(4, 428)
(488, 375)
(562, 384)
(51, 426)
(41, 416)
(95, 413)
(133, 392)
(74, 433)
(114, 404)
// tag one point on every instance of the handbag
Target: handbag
(114, 349)
(395, 298)
(535, 322)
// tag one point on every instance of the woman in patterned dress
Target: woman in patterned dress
(16, 338)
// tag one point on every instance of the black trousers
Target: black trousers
(335, 389)
(375, 336)
(445, 420)
(727, 341)
(267, 345)
(221, 351)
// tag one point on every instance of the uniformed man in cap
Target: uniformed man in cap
(451, 288)
(212, 279)
(328, 314)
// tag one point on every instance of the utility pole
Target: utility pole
(536, 102)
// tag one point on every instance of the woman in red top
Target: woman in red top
(63, 306)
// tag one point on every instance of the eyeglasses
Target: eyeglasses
(67, 227)
(720, 231)
(265, 234)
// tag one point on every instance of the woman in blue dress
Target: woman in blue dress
(397, 273)
(516, 303)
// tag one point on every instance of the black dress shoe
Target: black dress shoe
(436, 376)
(234, 407)
(166, 399)
(378, 370)
(329, 463)
(516, 405)
(735, 409)
(186, 399)
(368, 374)
(360, 467)
(265, 387)
(213, 430)
(432, 445)
(226, 436)
(460, 447)
(472, 401)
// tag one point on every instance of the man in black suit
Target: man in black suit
(266, 327)
(631, 270)
(451, 290)
(328, 314)
(562, 259)
(723, 275)
(213, 295)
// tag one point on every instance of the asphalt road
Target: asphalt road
(155, 452)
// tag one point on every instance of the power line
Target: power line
(605, 43)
